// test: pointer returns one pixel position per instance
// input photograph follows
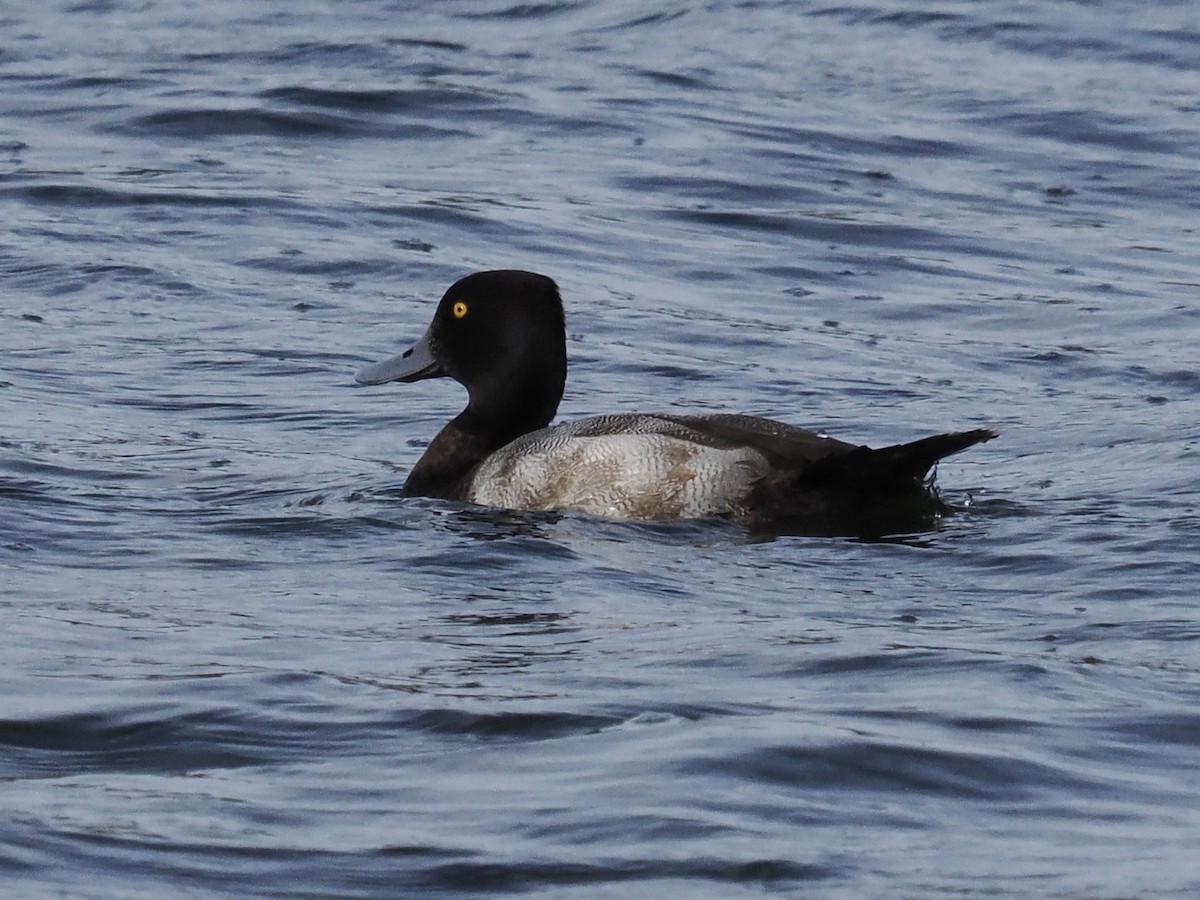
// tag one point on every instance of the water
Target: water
(237, 664)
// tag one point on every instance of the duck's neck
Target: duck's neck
(450, 457)
(445, 469)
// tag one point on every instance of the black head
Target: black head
(499, 334)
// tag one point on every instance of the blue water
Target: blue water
(235, 663)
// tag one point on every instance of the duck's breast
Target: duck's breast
(624, 467)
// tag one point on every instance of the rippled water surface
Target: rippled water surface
(237, 663)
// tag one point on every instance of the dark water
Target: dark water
(235, 663)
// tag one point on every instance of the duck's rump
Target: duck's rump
(754, 470)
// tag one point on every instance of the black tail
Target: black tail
(914, 460)
(874, 471)
(858, 491)
(863, 492)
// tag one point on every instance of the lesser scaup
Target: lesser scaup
(501, 335)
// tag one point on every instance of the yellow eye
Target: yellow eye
(459, 309)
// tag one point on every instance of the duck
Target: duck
(501, 335)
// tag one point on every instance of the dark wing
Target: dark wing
(824, 486)
(791, 451)
(785, 446)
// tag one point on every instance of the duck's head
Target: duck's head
(501, 336)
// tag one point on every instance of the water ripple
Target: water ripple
(238, 662)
